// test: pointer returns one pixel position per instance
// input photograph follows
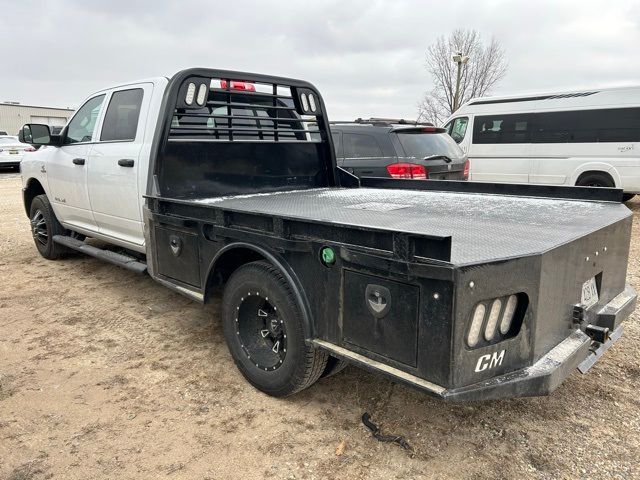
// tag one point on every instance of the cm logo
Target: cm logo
(489, 360)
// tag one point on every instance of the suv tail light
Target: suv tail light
(465, 173)
(407, 170)
(28, 149)
(237, 85)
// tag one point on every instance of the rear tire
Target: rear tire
(264, 332)
(44, 225)
(627, 196)
(595, 179)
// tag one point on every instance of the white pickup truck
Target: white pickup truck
(214, 178)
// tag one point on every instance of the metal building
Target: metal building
(14, 115)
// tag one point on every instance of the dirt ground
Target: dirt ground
(106, 374)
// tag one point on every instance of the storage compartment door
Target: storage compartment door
(381, 316)
(177, 255)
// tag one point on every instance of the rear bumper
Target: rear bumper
(578, 350)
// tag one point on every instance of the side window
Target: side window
(458, 128)
(360, 146)
(82, 126)
(121, 119)
(502, 129)
(588, 126)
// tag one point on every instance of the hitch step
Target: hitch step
(114, 258)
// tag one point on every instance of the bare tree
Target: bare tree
(485, 68)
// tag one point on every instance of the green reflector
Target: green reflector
(328, 255)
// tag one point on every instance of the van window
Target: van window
(360, 146)
(587, 126)
(457, 128)
(121, 119)
(502, 129)
(83, 124)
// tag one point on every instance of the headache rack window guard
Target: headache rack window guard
(232, 113)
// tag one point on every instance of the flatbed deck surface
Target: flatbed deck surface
(483, 227)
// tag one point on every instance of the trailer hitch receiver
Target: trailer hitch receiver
(598, 334)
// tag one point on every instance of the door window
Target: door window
(457, 128)
(121, 119)
(502, 129)
(82, 126)
(360, 146)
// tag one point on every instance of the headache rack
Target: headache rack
(226, 108)
(226, 133)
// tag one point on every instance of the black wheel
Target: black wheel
(334, 366)
(627, 196)
(263, 329)
(44, 225)
(595, 179)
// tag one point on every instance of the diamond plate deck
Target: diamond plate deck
(483, 227)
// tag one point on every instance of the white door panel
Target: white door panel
(500, 163)
(114, 190)
(67, 167)
(68, 185)
(115, 162)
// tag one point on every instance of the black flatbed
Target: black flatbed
(483, 227)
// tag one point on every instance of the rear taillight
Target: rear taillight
(237, 85)
(28, 149)
(407, 170)
(465, 173)
(496, 319)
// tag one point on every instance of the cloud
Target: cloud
(366, 57)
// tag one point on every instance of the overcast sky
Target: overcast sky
(365, 56)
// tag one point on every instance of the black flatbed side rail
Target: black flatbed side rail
(594, 194)
(420, 255)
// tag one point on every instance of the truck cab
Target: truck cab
(95, 177)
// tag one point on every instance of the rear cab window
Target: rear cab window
(418, 144)
(121, 119)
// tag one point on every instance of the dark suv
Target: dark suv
(398, 149)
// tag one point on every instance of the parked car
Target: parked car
(12, 151)
(227, 179)
(397, 149)
(585, 138)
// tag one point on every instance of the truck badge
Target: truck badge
(490, 360)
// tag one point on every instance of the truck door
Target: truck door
(67, 168)
(114, 165)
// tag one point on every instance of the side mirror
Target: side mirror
(37, 134)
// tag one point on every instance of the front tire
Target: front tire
(263, 329)
(44, 225)
(627, 196)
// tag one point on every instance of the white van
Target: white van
(587, 138)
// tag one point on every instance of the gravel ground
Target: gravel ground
(106, 374)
